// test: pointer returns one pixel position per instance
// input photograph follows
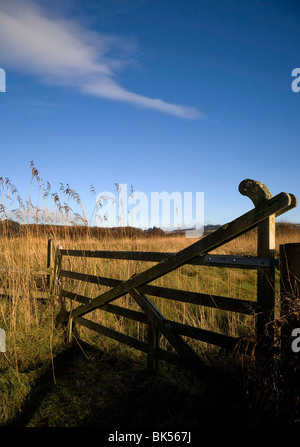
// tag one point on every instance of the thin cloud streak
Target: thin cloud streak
(61, 52)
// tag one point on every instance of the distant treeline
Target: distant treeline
(11, 228)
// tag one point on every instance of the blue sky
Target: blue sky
(162, 95)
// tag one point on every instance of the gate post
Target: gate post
(51, 263)
(289, 297)
(290, 321)
(266, 281)
(260, 194)
(153, 344)
(54, 263)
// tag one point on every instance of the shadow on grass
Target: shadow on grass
(93, 388)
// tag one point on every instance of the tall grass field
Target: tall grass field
(32, 392)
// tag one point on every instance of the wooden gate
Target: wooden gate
(262, 216)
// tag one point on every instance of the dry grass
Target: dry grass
(33, 340)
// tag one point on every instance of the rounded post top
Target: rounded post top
(255, 190)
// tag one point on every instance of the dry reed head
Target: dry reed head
(32, 336)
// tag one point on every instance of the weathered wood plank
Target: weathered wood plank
(241, 262)
(50, 262)
(171, 357)
(100, 280)
(75, 296)
(54, 259)
(111, 333)
(123, 255)
(246, 347)
(182, 348)
(224, 234)
(249, 262)
(214, 338)
(293, 204)
(261, 196)
(111, 308)
(243, 345)
(222, 340)
(153, 345)
(126, 313)
(218, 302)
(204, 299)
(266, 279)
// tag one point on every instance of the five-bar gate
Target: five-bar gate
(262, 216)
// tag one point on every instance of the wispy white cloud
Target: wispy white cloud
(63, 52)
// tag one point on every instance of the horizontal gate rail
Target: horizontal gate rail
(162, 354)
(248, 262)
(111, 333)
(112, 308)
(204, 299)
(196, 333)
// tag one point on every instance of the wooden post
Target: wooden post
(51, 263)
(57, 270)
(290, 320)
(266, 281)
(153, 344)
(72, 326)
(70, 330)
(54, 263)
(289, 297)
